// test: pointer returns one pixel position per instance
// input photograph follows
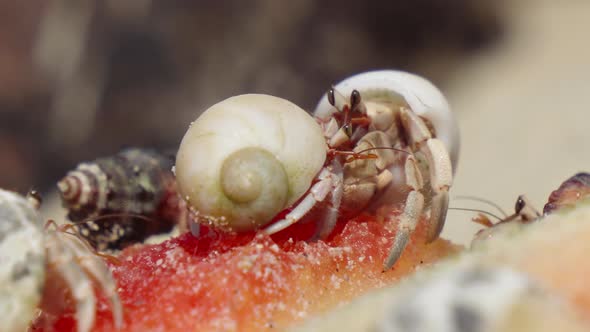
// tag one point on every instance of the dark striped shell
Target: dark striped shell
(571, 191)
(123, 199)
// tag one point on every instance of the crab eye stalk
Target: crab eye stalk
(336, 99)
(355, 99)
(519, 205)
(331, 97)
(34, 198)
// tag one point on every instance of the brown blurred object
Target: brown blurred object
(135, 73)
(19, 24)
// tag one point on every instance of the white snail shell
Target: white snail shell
(22, 261)
(415, 91)
(247, 158)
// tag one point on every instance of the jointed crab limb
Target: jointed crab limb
(439, 165)
(438, 214)
(65, 249)
(331, 212)
(95, 267)
(76, 280)
(411, 214)
(441, 178)
(317, 193)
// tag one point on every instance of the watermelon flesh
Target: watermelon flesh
(251, 282)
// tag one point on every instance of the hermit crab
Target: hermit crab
(34, 261)
(122, 199)
(570, 192)
(265, 154)
(391, 112)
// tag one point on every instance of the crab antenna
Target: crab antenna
(383, 148)
(65, 229)
(114, 215)
(477, 210)
(358, 155)
(483, 200)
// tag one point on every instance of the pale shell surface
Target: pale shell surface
(22, 261)
(252, 122)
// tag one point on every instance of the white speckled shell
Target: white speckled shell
(22, 261)
(252, 120)
(421, 95)
(476, 296)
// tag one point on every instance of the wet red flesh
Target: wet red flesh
(244, 282)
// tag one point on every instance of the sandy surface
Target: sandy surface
(523, 110)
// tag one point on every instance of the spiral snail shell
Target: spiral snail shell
(247, 158)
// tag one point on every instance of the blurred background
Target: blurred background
(81, 79)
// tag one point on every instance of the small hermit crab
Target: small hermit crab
(524, 213)
(122, 199)
(571, 191)
(34, 260)
(265, 154)
(389, 112)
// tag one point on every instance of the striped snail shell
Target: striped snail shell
(135, 182)
(247, 158)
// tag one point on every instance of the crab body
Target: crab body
(34, 260)
(392, 126)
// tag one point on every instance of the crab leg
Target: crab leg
(441, 172)
(327, 223)
(411, 214)
(441, 178)
(98, 270)
(317, 193)
(75, 278)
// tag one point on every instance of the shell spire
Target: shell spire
(70, 188)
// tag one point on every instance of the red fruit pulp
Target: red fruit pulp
(248, 282)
